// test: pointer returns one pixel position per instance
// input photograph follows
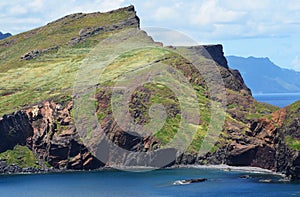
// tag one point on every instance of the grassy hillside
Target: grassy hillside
(52, 73)
(291, 125)
(58, 50)
(21, 156)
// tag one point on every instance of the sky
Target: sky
(260, 28)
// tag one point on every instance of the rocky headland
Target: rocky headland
(39, 119)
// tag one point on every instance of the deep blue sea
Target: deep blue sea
(278, 99)
(152, 183)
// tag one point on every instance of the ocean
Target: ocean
(158, 183)
(278, 99)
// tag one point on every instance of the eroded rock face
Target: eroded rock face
(37, 127)
(15, 129)
(60, 147)
(263, 145)
(36, 53)
(272, 131)
(232, 78)
(49, 129)
(133, 21)
(214, 52)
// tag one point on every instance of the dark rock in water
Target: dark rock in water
(266, 180)
(245, 177)
(188, 181)
(197, 180)
(49, 129)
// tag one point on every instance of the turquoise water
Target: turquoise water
(278, 99)
(152, 183)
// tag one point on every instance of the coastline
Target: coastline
(224, 167)
(246, 169)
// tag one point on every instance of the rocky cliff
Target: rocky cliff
(253, 134)
(48, 131)
(14, 129)
(270, 142)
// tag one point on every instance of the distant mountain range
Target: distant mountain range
(2, 36)
(262, 76)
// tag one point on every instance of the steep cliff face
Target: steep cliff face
(214, 52)
(14, 129)
(48, 131)
(276, 144)
(270, 142)
(55, 139)
(232, 78)
(250, 135)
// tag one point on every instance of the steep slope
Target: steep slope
(263, 76)
(37, 63)
(71, 122)
(42, 65)
(271, 142)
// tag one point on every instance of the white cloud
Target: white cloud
(170, 37)
(210, 18)
(210, 12)
(249, 5)
(18, 9)
(214, 18)
(36, 4)
(207, 21)
(165, 13)
(34, 13)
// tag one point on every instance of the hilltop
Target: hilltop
(53, 101)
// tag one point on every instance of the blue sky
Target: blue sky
(261, 28)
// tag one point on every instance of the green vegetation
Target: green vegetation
(292, 110)
(292, 143)
(21, 156)
(161, 91)
(292, 139)
(52, 74)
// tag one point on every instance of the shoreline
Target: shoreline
(137, 169)
(224, 167)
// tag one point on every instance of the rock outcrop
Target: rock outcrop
(37, 127)
(252, 135)
(15, 129)
(55, 139)
(232, 78)
(264, 145)
(214, 52)
(133, 21)
(36, 53)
